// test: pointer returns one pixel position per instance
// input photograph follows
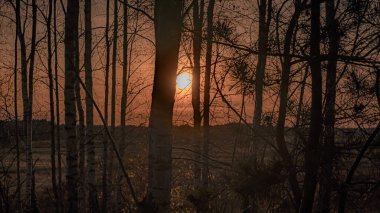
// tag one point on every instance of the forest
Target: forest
(221, 106)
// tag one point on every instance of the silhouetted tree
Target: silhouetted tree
(168, 22)
(198, 16)
(92, 192)
(312, 148)
(71, 37)
(328, 150)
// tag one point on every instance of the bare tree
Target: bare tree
(92, 192)
(27, 97)
(328, 153)
(113, 85)
(71, 36)
(15, 86)
(284, 87)
(312, 148)
(124, 97)
(81, 135)
(206, 105)
(198, 14)
(265, 16)
(168, 24)
(106, 101)
(51, 99)
(57, 107)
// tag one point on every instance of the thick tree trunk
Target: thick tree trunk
(91, 182)
(284, 87)
(206, 106)
(168, 24)
(195, 101)
(51, 98)
(71, 36)
(312, 149)
(329, 118)
(106, 91)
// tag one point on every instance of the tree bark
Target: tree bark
(51, 99)
(206, 107)
(27, 97)
(265, 11)
(113, 89)
(329, 117)
(106, 101)
(57, 107)
(124, 99)
(195, 101)
(91, 182)
(15, 86)
(168, 23)
(284, 87)
(71, 35)
(81, 136)
(312, 149)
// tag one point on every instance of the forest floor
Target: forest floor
(232, 173)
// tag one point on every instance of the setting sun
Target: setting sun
(184, 81)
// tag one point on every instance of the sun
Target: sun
(184, 81)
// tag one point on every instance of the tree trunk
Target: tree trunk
(106, 91)
(59, 159)
(265, 11)
(329, 118)
(27, 97)
(312, 149)
(81, 137)
(51, 98)
(206, 107)
(168, 22)
(15, 84)
(113, 90)
(197, 48)
(206, 101)
(71, 35)
(124, 99)
(92, 192)
(284, 87)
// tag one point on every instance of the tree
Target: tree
(312, 148)
(92, 192)
(168, 23)
(284, 88)
(71, 36)
(113, 84)
(206, 107)
(198, 14)
(106, 101)
(124, 97)
(15, 98)
(57, 107)
(51, 104)
(27, 99)
(329, 114)
(81, 134)
(265, 16)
